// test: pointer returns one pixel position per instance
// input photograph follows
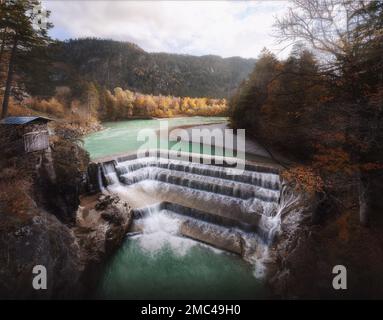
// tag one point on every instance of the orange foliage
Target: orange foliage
(16, 109)
(305, 178)
(51, 106)
(332, 160)
(14, 194)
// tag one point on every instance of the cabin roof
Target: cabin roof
(23, 120)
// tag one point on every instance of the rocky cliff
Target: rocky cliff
(311, 244)
(40, 240)
(41, 223)
(68, 254)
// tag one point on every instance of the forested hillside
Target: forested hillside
(323, 105)
(114, 64)
(88, 80)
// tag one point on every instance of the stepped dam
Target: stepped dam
(234, 212)
(199, 222)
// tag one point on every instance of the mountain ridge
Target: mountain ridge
(111, 63)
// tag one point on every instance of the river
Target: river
(159, 263)
(120, 137)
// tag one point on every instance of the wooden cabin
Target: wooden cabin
(25, 134)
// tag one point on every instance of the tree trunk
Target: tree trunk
(2, 46)
(8, 84)
(364, 200)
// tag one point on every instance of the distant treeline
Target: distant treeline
(95, 103)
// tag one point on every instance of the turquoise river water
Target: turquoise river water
(120, 137)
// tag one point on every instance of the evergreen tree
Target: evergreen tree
(21, 33)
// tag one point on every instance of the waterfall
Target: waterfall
(100, 183)
(271, 226)
(110, 173)
(254, 175)
(205, 183)
(162, 229)
(165, 226)
(237, 213)
(273, 223)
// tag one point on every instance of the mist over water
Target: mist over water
(161, 265)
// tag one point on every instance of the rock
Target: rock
(91, 185)
(101, 228)
(104, 202)
(41, 240)
(70, 256)
(283, 274)
(113, 217)
(104, 228)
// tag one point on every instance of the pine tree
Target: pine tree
(20, 36)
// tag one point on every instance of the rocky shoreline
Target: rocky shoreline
(42, 223)
(102, 223)
(71, 256)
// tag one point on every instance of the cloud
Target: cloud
(225, 28)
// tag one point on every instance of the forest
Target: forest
(326, 98)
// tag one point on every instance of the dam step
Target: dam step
(195, 181)
(254, 175)
(139, 213)
(200, 226)
(247, 211)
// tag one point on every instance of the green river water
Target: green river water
(120, 137)
(160, 264)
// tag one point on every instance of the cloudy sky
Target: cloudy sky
(225, 28)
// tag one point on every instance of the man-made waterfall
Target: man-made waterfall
(236, 213)
(198, 224)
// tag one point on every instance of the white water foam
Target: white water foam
(161, 230)
(273, 225)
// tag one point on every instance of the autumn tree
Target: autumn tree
(328, 106)
(124, 102)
